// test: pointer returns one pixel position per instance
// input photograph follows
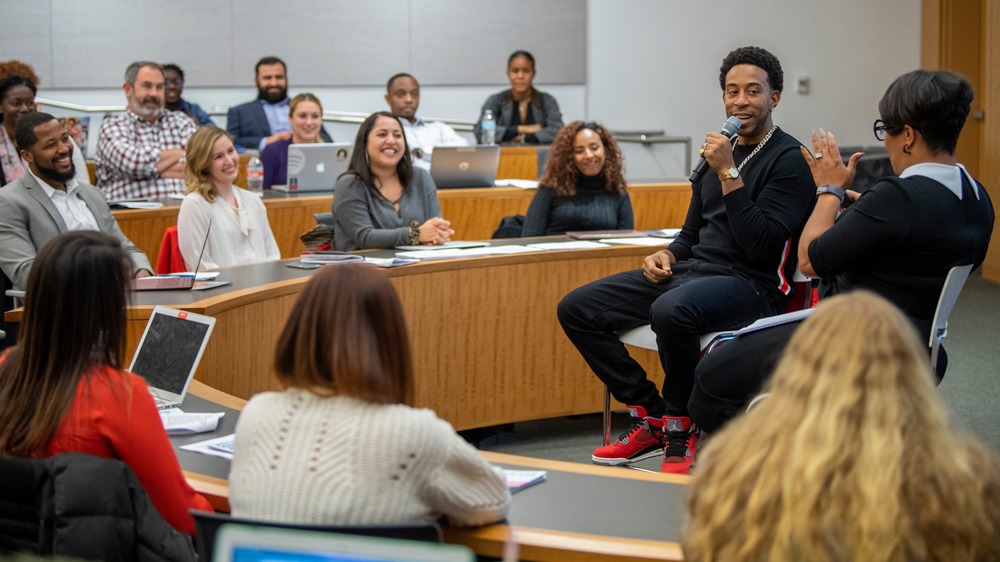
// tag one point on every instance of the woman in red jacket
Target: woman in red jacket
(63, 389)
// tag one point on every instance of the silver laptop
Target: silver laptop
(244, 543)
(169, 352)
(315, 167)
(465, 166)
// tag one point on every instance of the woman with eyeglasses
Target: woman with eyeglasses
(899, 239)
(583, 187)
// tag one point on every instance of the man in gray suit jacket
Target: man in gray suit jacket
(47, 201)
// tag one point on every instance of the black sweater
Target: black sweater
(755, 229)
(592, 208)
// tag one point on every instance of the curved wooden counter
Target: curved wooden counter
(474, 213)
(487, 346)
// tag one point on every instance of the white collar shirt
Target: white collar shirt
(74, 211)
(425, 135)
(945, 174)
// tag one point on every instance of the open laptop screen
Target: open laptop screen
(247, 543)
(170, 350)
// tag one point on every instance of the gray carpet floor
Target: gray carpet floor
(971, 389)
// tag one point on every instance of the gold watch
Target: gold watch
(730, 174)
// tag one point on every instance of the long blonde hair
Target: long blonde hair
(851, 456)
(199, 159)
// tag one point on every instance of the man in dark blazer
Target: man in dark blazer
(47, 201)
(258, 123)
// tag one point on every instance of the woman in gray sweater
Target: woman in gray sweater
(382, 201)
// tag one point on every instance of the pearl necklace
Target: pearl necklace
(756, 150)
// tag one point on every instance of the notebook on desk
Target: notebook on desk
(169, 352)
(315, 167)
(244, 543)
(465, 166)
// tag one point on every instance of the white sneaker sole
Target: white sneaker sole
(620, 461)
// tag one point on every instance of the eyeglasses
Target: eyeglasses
(174, 82)
(881, 129)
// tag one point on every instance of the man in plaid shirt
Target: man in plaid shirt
(140, 151)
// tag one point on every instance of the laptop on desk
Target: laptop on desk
(170, 282)
(247, 543)
(465, 166)
(169, 352)
(315, 167)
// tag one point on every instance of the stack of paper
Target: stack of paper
(329, 256)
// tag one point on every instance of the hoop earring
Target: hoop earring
(906, 149)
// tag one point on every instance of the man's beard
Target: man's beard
(262, 93)
(142, 110)
(56, 175)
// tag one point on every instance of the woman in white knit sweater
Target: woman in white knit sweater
(339, 445)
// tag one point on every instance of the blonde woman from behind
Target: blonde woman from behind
(851, 457)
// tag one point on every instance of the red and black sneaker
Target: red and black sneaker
(680, 438)
(643, 440)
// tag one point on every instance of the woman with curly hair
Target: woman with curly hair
(584, 184)
(852, 456)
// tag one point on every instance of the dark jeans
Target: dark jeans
(729, 377)
(698, 298)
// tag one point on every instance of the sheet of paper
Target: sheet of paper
(522, 184)
(665, 232)
(468, 253)
(453, 245)
(518, 480)
(177, 422)
(574, 245)
(640, 241)
(212, 447)
(389, 262)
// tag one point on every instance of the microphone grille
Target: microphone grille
(731, 127)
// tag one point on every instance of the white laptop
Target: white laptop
(315, 167)
(465, 166)
(169, 352)
(245, 543)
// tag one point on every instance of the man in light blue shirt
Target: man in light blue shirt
(258, 123)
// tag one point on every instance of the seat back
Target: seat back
(82, 506)
(953, 284)
(170, 260)
(207, 526)
(20, 509)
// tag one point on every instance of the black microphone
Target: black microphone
(730, 128)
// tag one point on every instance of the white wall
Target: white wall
(653, 64)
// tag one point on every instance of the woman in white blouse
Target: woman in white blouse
(240, 232)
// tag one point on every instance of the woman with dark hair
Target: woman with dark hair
(305, 115)
(523, 114)
(17, 98)
(899, 239)
(795, 480)
(341, 445)
(584, 184)
(63, 388)
(382, 201)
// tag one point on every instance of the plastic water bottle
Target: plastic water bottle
(489, 128)
(255, 174)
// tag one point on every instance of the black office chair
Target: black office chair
(207, 525)
(82, 506)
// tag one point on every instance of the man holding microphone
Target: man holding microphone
(730, 265)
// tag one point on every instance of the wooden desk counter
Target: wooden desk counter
(474, 213)
(487, 346)
(581, 512)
